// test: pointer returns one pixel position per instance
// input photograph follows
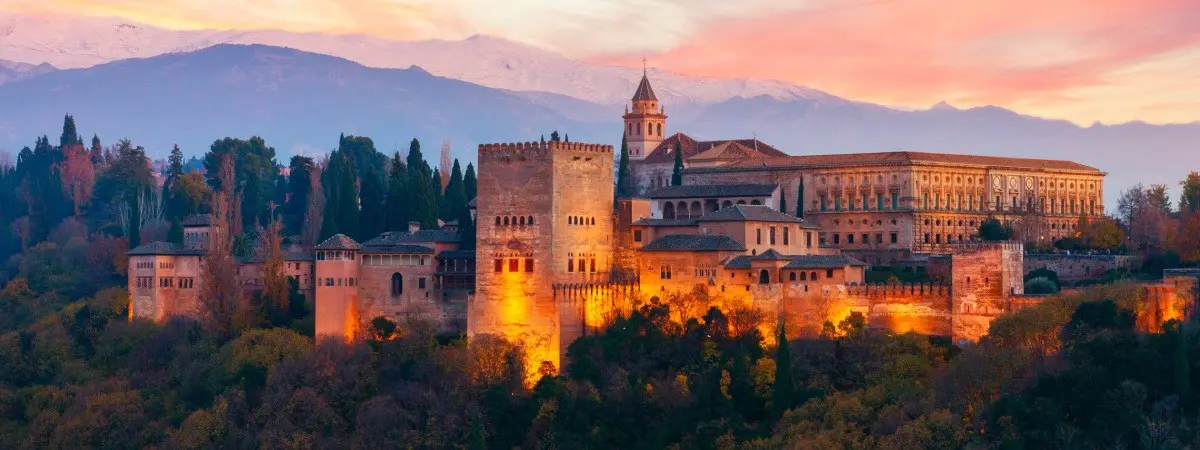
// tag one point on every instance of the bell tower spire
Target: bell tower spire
(644, 119)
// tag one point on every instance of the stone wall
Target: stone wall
(1073, 269)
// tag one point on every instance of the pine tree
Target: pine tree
(348, 214)
(470, 183)
(566, 138)
(435, 182)
(374, 207)
(175, 163)
(397, 198)
(97, 151)
(70, 136)
(543, 139)
(800, 199)
(783, 390)
(423, 204)
(623, 181)
(677, 171)
(299, 186)
(415, 161)
(454, 198)
(554, 136)
(466, 229)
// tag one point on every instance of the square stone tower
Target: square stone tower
(545, 217)
(984, 277)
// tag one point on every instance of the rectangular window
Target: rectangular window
(866, 238)
(837, 203)
(570, 265)
(808, 239)
(925, 201)
(529, 264)
(758, 236)
(820, 239)
(771, 232)
(926, 238)
(894, 238)
(823, 207)
(785, 235)
(998, 203)
(582, 265)
(514, 265)
(878, 238)
(895, 200)
(499, 265)
(637, 235)
(592, 266)
(837, 239)
(421, 283)
(879, 202)
(828, 273)
(849, 239)
(852, 203)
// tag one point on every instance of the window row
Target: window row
(950, 238)
(145, 265)
(395, 260)
(859, 203)
(764, 276)
(787, 236)
(893, 238)
(514, 221)
(582, 267)
(514, 265)
(652, 129)
(456, 265)
(329, 282)
(335, 255)
(166, 282)
(664, 272)
(398, 284)
(578, 220)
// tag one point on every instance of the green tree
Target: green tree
(623, 181)
(466, 228)
(470, 183)
(554, 136)
(70, 136)
(435, 180)
(300, 173)
(423, 197)
(397, 198)
(782, 201)
(254, 169)
(174, 171)
(783, 392)
(374, 213)
(175, 233)
(677, 170)
(991, 229)
(341, 197)
(1189, 193)
(455, 196)
(97, 150)
(800, 198)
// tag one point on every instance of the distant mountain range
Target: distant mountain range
(190, 89)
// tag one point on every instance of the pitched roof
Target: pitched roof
(725, 151)
(691, 147)
(695, 243)
(752, 213)
(644, 91)
(393, 238)
(798, 261)
(457, 254)
(713, 190)
(666, 222)
(769, 255)
(165, 248)
(402, 248)
(338, 242)
(197, 220)
(903, 158)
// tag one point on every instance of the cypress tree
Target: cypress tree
(374, 208)
(782, 201)
(423, 206)
(348, 215)
(397, 198)
(175, 233)
(466, 229)
(567, 137)
(543, 139)
(454, 198)
(299, 183)
(783, 389)
(623, 170)
(69, 135)
(554, 136)
(97, 150)
(800, 199)
(439, 201)
(677, 171)
(470, 183)
(416, 161)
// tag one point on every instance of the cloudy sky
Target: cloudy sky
(1082, 60)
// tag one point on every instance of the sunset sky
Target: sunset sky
(1082, 60)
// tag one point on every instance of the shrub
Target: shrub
(1040, 286)
(1045, 273)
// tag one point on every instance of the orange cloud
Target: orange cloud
(1037, 55)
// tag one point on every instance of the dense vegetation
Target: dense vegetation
(75, 371)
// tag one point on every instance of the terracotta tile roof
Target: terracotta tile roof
(165, 248)
(402, 248)
(456, 254)
(752, 213)
(709, 190)
(390, 238)
(666, 222)
(769, 255)
(197, 220)
(905, 158)
(338, 242)
(694, 243)
(726, 151)
(691, 147)
(644, 91)
(799, 261)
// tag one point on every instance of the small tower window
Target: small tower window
(397, 284)
(530, 221)
(497, 220)
(505, 221)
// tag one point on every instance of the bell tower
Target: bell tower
(645, 120)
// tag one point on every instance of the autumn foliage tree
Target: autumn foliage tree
(78, 176)
(221, 308)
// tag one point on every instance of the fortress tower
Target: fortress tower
(544, 218)
(645, 123)
(336, 288)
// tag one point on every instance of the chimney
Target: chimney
(414, 227)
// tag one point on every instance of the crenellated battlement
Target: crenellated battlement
(541, 147)
(974, 247)
(879, 290)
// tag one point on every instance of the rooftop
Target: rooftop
(392, 238)
(752, 213)
(664, 152)
(644, 92)
(197, 220)
(165, 248)
(338, 242)
(797, 261)
(402, 248)
(666, 222)
(902, 158)
(695, 243)
(712, 190)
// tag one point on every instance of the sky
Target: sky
(1110, 61)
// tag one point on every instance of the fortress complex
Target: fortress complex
(794, 236)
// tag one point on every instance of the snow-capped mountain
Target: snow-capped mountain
(13, 71)
(77, 42)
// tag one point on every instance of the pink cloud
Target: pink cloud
(922, 51)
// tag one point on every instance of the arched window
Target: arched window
(659, 126)
(741, 202)
(630, 128)
(397, 284)
(669, 210)
(530, 221)
(803, 276)
(505, 221)
(593, 221)
(522, 221)
(812, 276)
(726, 204)
(570, 220)
(764, 277)
(792, 276)
(497, 220)
(639, 128)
